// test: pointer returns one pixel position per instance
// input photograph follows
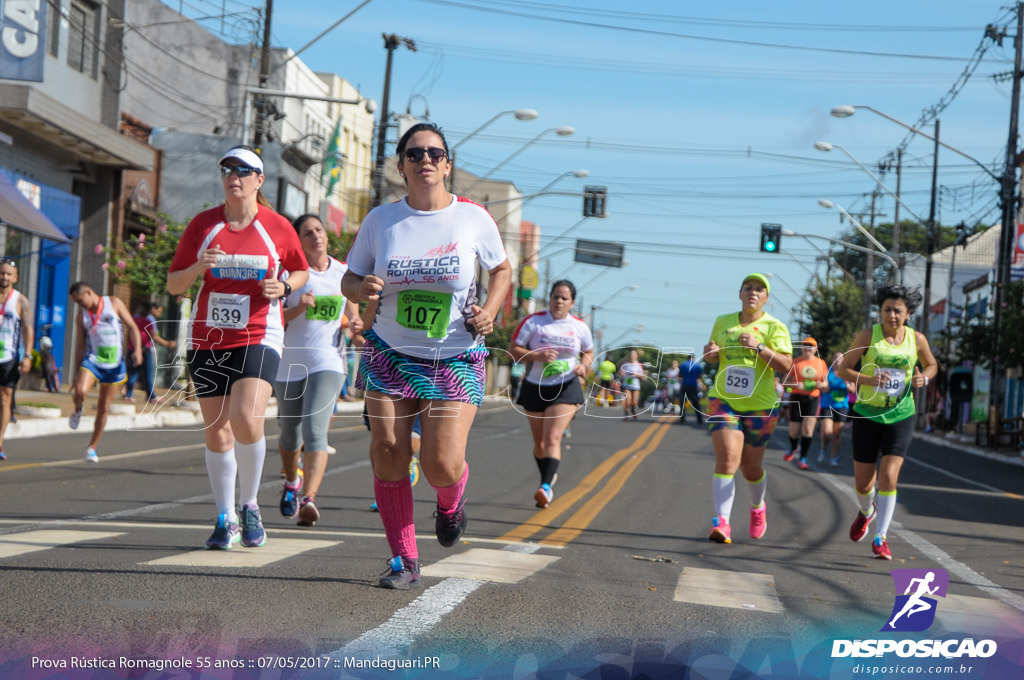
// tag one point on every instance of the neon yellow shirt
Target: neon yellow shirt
(606, 369)
(744, 379)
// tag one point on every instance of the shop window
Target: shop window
(83, 37)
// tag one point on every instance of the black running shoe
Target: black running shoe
(450, 525)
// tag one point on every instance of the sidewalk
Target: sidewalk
(965, 443)
(43, 413)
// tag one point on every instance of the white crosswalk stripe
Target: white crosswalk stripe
(495, 566)
(980, 615)
(737, 590)
(275, 550)
(44, 539)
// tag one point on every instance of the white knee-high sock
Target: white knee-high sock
(866, 501)
(723, 488)
(886, 509)
(250, 469)
(222, 470)
(757, 490)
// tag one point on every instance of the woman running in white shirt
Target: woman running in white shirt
(560, 350)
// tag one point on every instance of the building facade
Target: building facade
(61, 146)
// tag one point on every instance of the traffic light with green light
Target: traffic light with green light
(771, 238)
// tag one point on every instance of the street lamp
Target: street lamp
(847, 110)
(563, 131)
(594, 308)
(828, 146)
(556, 239)
(638, 327)
(543, 192)
(828, 205)
(520, 114)
(1006, 182)
(625, 263)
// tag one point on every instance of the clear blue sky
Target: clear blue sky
(699, 117)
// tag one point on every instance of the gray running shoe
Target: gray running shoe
(402, 574)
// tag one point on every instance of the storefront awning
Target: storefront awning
(18, 212)
(50, 120)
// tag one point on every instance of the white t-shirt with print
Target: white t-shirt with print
(428, 262)
(313, 340)
(570, 336)
(631, 374)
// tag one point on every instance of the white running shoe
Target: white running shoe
(543, 496)
(75, 418)
(90, 455)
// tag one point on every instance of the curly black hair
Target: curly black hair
(911, 297)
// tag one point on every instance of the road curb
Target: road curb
(164, 415)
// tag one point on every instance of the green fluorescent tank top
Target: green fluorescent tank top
(892, 401)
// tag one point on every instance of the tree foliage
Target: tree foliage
(834, 312)
(143, 261)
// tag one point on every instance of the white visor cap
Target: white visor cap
(246, 156)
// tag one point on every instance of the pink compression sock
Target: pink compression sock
(394, 502)
(448, 497)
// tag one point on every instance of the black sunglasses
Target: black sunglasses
(436, 154)
(239, 170)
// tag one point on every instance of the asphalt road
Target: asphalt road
(99, 562)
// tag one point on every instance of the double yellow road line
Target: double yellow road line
(620, 466)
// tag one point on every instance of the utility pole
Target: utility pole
(261, 107)
(869, 268)
(391, 42)
(930, 238)
(896, 208)
(1008, 235)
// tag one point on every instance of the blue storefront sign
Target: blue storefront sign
(22, 39)
(51, 296)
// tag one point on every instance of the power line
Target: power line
(705, 70)
(669, 34)
(729, 23)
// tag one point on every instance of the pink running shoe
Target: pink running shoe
(721, 532)
(880, 547)
(860, 525)
(789, 456)
(803, 464)
(758, 521)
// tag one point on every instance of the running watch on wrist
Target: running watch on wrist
(287, 289)
(760, 347)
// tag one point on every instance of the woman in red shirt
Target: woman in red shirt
(240, 249)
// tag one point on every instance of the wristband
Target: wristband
(287, 289)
